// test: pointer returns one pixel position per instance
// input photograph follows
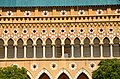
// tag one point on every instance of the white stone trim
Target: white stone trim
(30, 75)
(44, 71)
(83, 71)
(63, 71)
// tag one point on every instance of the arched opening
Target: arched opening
(20, 49)
(63, 76)
(44, 76)
(96, 48)
(28, 77)
(29, 53)
(87, 48)
(106, 47)
(77, 48)
(116, 47)
(67, 48)
(2, 49)
(39, 49)
(10, 50)
(58, 48)
(48, 49)
(82, 76)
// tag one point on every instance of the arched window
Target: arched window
(77, 48)
(48, 49)
(63, 76)
(87, 49)
(58, 48)
(106, 47)
(82, 76)
(20, 49)
(29, 52)
(10, 51)
(2, 49)
(44, 76)
(39, 49)
(67, 48)
(116, 47)
(96, 48)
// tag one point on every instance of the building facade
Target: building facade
(59, 40)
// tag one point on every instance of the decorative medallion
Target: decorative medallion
(44, 31)
(45, 13)
(81, 30)
(9, 13)
(101, 30)
(81, 12)
(92, 66)
(117, 11)
(53, 66)
(91, 30)
(5, 31)
(63, 13)
(72, 66)
(111, 30)
(24, 31)
(99, 11)
(34, 31)
(27, 13)
(34, 66)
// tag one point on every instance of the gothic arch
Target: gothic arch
(44, 71)
(83, 71)
(63, 71)
(30, 75)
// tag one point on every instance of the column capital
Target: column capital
(53, 44)
(5, 44)
(34, 44)
(43, 44)
(63, 44)
(72, 44)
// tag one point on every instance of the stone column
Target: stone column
(15, 50)
(5, 51)
(101, 50)
(72, 50)
(43, 50)
(63, 50)
(81, 50)
(111, 50)
(53, 50)
(25, 46)
(34, 51)
(91, 50)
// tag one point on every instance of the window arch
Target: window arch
(44, 76)
(116, 47)
(63, 76)
(20, 49)
(29, 53)
(48, 49)
(2, 49)
(87, 48)
(106, 47)
(96, 48)
(39, 49)
(58, 48)
(82, 76)
(77, 48)
(67, 48)
(10, 51)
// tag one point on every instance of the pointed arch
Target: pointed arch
(39, 48)
(67, 48)
(29, 52)
(87, 49)
(83, 71)
(96, 47)
(30, 75)
(20, 49)
(48, 49)
(106, 47)
(58, 48)
(65, 72)
(116, 47)
(77, 48)
(42, 72)
(10, 50)
(2, 49)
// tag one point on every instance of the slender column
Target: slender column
(5, 51)
(101, 50)
(43, 50)
(62, 51)
(53, 49)
(25, 51)
(111, 50)
(15, 50)
(91, 50)
(81, 50)
(72, 50)
(34, 51)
